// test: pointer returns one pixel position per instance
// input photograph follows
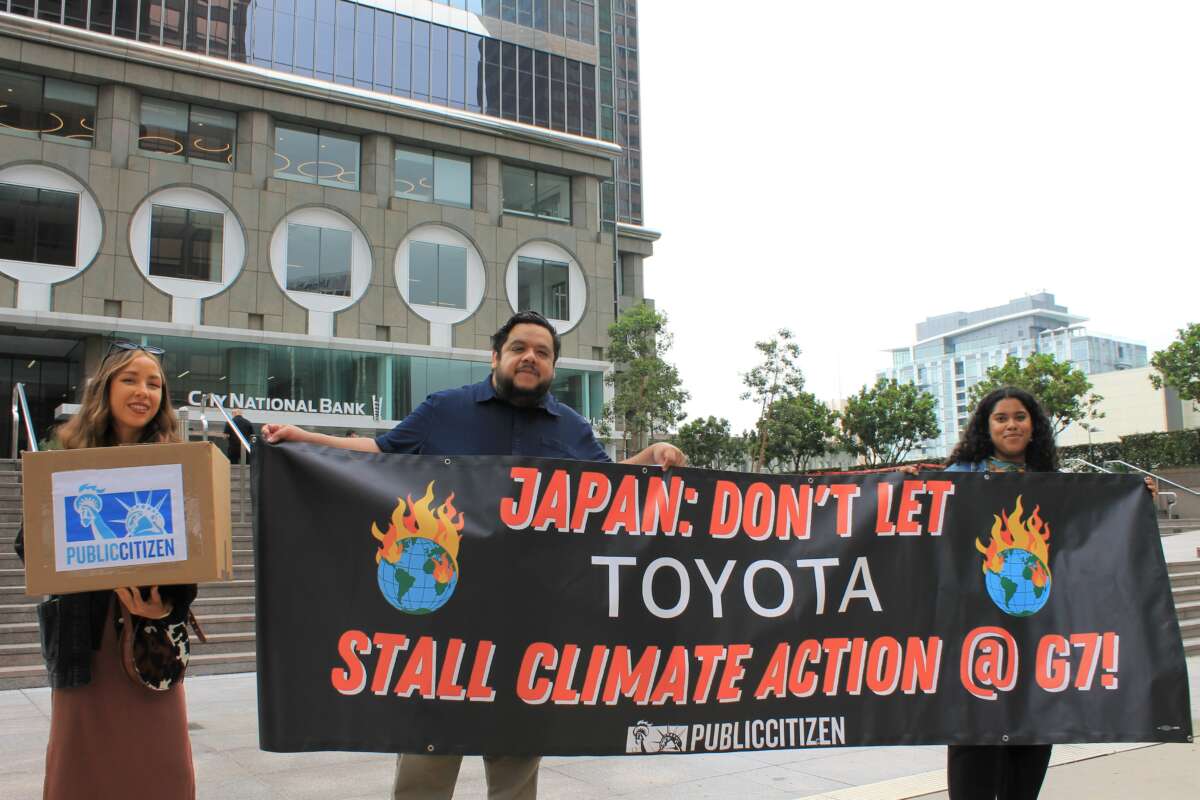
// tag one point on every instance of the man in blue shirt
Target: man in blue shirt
(510, 413)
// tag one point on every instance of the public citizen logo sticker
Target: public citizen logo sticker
(118, 517)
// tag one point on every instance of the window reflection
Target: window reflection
(39, 107)
(186, 243)
(542, 286)
(194, 133)
(38, 225)
(312, 156)
(437, 275)
(318, 260)
(541, 194)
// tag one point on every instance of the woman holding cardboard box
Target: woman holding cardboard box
(110, 733)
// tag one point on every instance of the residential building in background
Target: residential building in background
(953, 352)
(320, 209)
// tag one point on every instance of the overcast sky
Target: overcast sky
(846, 169)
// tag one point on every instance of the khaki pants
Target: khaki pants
(422, 777)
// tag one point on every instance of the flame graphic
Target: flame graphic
(409, 520)
(1010, 533)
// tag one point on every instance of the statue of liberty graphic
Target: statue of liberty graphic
(141, 518)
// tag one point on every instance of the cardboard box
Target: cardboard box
(143, 515)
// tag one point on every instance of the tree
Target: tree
(1179, 365)
(800, 428)
(1063, 390)
(777, 376)
(647, 397)
(884, 422)
(709, 444)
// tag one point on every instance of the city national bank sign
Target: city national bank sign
(321, 405)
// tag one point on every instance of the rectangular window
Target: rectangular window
(474, 72)
(318, 260)
(508, 80)
(47, 107)
(312, 156)
(543, 286)
(38, 225)
(439, 60)
(525, 85)
(420, 60)
(433, 177)
(383, 51)
(491, 77)
(185, 243)
(540, 194)
(553, 196)
(437, 275)
(558, 93)
(192, 133)
(541, 89)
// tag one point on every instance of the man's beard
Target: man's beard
(508, 391)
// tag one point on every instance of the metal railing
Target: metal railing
(1084, 462)
(1158, 478)
(20, 408)
(241, 437)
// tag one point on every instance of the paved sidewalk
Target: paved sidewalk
(229, 766)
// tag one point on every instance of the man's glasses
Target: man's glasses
(122, 345)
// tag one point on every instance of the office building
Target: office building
(321, 209)
(954, 351)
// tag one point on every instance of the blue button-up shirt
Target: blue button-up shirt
(473, 421)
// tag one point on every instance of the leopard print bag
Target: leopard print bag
(154, 652)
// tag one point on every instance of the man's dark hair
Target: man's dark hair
(976, 442)
(524, 318)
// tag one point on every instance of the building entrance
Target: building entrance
(49, 368)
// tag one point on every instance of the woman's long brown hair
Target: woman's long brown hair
(92, 426)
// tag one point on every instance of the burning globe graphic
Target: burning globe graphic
(418, 554)
(1016, 561)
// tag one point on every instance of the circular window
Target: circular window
(61, 204)
(321, 259)
(440, 274)
(187, 242)
(544, 277)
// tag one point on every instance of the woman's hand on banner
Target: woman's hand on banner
(664, 454)
(153, 608)
(274, 433)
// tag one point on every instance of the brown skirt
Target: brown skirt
(115, 740)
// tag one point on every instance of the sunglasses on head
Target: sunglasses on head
(122, 345)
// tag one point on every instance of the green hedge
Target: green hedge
(1146, 450)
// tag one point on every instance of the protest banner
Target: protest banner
(521, 606)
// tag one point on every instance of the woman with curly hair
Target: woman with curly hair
(112, 738)
(1008, 432)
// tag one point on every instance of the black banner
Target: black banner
(524, 606)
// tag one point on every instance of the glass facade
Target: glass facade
(318, 260)
(539, 194)
(434, 177)
(281, 373)
(31, 105)
(347, 43)
(437, 275)
(185, 243)
(312, 156)
(192, 133)
(571, 19)
(38, 225)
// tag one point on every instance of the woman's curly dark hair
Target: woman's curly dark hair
(976, 442)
